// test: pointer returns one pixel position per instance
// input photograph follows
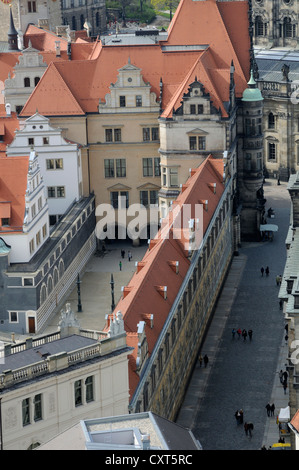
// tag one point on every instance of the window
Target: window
(197, 143)
(122, 101)
(54, 164)
(30, 141)
(36, 80)
(119, 200)
(260, 27)
(13, 317)
(138, 101)
(173, 177)
(78, 392)
(155, 133)
(26, 82)
(146, 134)
(31, 246)
(200, 109)
(271, 151)
(5, 221)
(196, 109)
(60, 191)
(33, 211)
(32, 7)
(109, 168)
(113, 135)
(148, 197)
(201, 143)
(51, 191)
(28, 281)
(37, 238)
(40, 203)
(46, 140)
(120, 167)
(271, 121)
(37, 407)
(248, 162)
(147, 164)
(26, 411)
(45, 231)
(192, 109)
(89, 389)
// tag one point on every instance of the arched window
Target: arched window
(26, 82)
(97, 19)
(81, 21)
(259, 26)
(50, 285)
(36, 80)
(289, 29)
(271, 121)
(61, 268)
(55, 276)
(43, 294)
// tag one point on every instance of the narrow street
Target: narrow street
(241, 373)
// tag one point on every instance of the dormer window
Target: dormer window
(196, 108)
(26, 82)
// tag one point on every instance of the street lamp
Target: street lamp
(79, 294)
(112, 293)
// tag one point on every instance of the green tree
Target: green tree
(164, 5)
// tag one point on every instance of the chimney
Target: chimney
(145, 442)
(69, 50)
(8, 109)
(57, 47)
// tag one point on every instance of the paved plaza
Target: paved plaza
(244, 374)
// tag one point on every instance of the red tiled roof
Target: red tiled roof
(9, 126)
(295, 421)
(13, 185)
(145, 291)
(207, 25)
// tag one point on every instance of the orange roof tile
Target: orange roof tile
(9, 125)
(146, 292)
(295, 421)
(13, 185)
(207, 25)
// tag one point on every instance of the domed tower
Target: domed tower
(250, 166)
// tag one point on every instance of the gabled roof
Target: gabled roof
(144, 294)
(201, 39)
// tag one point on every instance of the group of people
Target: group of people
(242, 333)
(204, 360)
(270, 409)
(266, 271)
(248, 426)
(123, 254)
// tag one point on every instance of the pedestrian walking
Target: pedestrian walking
(205, 360)
(286, 327)
(250, 334)
(244, 334)
(129, 255)
(238, 417)
(200, 360)
(281, 376)
(285, 386)
(277, 280)
(239, 332)
(280, 279)
(285, 376)
(272, 409)
(122, 252)
(267, 271)
(262, 271)
(268, 408)
(280, 304)
(241, 416)
(250, 429)
(233, 333)
(120, 265)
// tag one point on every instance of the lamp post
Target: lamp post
(79, 294)
(112, 293)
